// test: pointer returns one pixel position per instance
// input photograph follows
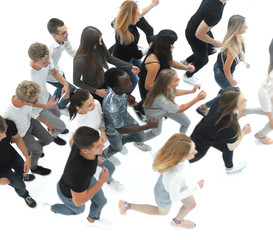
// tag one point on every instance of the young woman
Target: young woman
(266, 98)
(158, 57)
(85, 111)
(232, 53)
(172, 163)
(220, 128)
(90, 60)
(160, 101)
(127, 37)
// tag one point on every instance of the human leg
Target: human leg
(109, 165)
(115, 145)
(68, 208)
(183, 120)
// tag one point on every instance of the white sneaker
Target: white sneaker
(116, 185)
(47, 208)
(114, 160)
(102, 223)
(236, 168)
(124, 150)
(143, 147)
(191, 80)
(64, 111)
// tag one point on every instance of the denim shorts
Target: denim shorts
(220, 77)
(162, 197)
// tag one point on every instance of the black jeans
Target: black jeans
(202, 146)
(201, 51)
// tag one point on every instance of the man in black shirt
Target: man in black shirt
(200, 37)
(78, 184)
(12, 166)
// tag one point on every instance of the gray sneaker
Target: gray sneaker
(236, 168)
(143, 147)
(114, 160)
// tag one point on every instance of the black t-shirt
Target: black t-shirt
(7, 152)
(222, 57)
(127, 52)
(211, 133)
(77, 173)
(210, 11)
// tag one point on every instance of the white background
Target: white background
(228, 207)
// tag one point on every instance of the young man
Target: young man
(200, 37)
(27, 121)
(121, 127)
(40, 68)
(78, 184)
(58, 31)
(12, 166)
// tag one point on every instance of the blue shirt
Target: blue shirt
(115, 112)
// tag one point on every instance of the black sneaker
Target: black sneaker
(65, 131)
(59, 141)
(41, 170)
(30, 201)
(140, 115)
(28, 177)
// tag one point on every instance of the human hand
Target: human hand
(191, 68)
(101, 160)
(101, 92)
(152, 123)
(51, 128)
(4, 181)
(51, 104)
(104, 175)
(247, 65)
(27, 166)
(131, 100)
(135, 70)
(201, 183)
(155, 2)
(233, 82)
(202, 95)
(103, 138)
(66, 91)
(246, 129)
(217, 44)
(197, 86)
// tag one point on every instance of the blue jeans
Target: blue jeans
(109, 165)
(221, 80)
(133, 78)
(116, 141)
(69, 208)
(58, 92)
(15, 176)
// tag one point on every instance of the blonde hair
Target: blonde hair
(38, 52)
(3, 125)
(174, 151)
(160, 87)
(127, 15)
(27, 90)
(232, 41)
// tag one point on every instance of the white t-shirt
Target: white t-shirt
(266, 93)
(40, 77)
(21, 117)
(56, 51)
(175, 179)
(93, 119)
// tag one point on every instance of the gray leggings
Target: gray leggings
(266, 129)
(180, 118)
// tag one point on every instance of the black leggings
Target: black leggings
(146, 28)
(202, 146)
(201, 51)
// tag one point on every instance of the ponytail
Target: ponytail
(77, 98)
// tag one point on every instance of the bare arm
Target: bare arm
(201, 34)
(228, 63)
(152, 70)
(246, 129)
(50, 127)
(149, 7)
(199, 97)
(21, 145)
(60, 79)
(80, 198)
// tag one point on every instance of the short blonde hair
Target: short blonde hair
(173, 152)
(27, 90)
(38, 52)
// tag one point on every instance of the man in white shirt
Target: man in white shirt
(40, 68)
(58, 31)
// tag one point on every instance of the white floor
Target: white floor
(228, 207)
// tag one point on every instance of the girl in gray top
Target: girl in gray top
(160, 100)
(90, 59)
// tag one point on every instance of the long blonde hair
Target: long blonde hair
(127, 15)
(173, 152)
(160, 87)
(232, 41)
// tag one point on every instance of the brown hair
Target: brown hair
(38, 51)
(27, 90)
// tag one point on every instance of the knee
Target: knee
(79, 210)
(191, 205)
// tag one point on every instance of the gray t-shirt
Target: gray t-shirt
(162, 107)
